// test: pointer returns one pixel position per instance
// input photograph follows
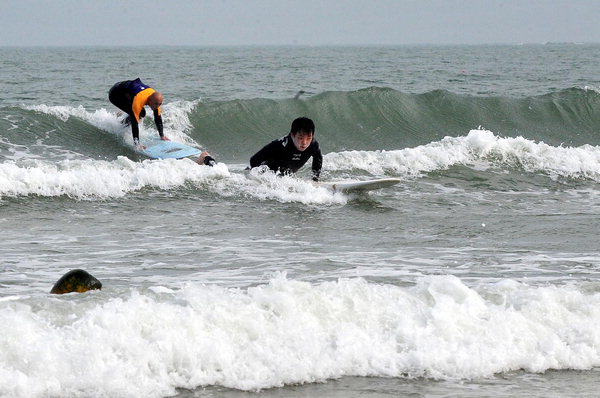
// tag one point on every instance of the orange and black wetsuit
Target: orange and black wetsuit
(130, 96)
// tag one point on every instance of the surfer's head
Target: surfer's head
(155, 100)
(302, 133)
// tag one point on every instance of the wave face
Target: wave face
(368, 119)
(383, 118)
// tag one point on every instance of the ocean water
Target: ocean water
(477, 275)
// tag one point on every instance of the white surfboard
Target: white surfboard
(358, 186)
(159, 149)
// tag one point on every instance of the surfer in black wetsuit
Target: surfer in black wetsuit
(288, 154)
(131, 96)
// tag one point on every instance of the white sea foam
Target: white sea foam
(175, 118)
(592, 88)
(480, 148)
(147, 343)
(100, 179)
(269, 186)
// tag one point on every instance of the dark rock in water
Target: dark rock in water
(76, 280)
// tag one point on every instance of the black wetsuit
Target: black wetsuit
(282, 156)
(130, 96)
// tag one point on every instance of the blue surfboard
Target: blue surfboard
(159, 149)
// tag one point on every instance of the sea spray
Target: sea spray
(288, 332)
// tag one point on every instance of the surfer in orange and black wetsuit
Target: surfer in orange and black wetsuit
(131, 96)
(287, 154)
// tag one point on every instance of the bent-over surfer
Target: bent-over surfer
(289, 153)
(131, 96)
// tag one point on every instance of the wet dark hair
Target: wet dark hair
(302, 124)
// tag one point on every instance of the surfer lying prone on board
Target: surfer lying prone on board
(131, 96)
(288, 154)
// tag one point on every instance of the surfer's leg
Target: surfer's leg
(120, 97)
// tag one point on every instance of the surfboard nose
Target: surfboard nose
(76, 280)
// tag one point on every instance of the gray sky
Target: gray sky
(302, 22)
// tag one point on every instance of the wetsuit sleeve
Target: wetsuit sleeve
(158, 121)
(262, 156)
(317, 163)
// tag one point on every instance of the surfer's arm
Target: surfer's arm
(159, 123)
(317, 163)
(135, 129)
(262, 156)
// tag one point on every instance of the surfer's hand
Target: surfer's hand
(205, 159)
(165, 138)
